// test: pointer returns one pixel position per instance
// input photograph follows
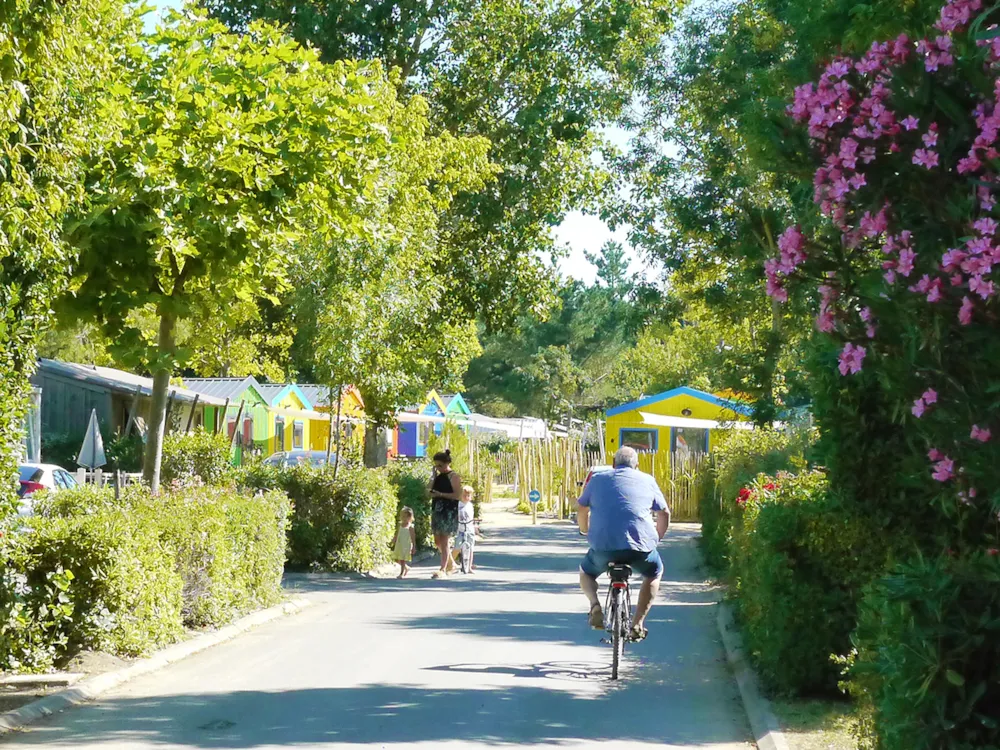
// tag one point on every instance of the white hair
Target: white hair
(626, 457)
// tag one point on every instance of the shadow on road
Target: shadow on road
(381, 715)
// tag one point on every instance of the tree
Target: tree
(375, 313)
(538, 78)
(57, 62)
(230, 142)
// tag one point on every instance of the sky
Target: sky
(578, 232)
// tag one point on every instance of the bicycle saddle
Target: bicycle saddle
(619, 571)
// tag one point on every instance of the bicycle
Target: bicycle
(618, 612)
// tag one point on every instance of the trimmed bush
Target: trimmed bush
(228, 547)
(411, 480)
(103, 581)
(339, 524)
(196, 454)
(736, 463)
(927, 671)
(798, 563)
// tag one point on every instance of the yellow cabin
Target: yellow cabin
(680, 421)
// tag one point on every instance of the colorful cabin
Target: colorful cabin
(291, 413)
(680, 421)
(410, 439)
(352, 411)
(252, 432)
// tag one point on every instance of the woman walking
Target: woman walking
(446, 491)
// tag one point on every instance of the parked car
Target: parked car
(34, 477)
(287, 459)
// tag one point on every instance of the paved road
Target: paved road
(502, 657)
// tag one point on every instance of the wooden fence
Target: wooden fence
(679, 477)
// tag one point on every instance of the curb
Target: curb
(387, 569)
(766, 730)
(93, 687)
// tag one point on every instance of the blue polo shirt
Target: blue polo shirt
(621, 505)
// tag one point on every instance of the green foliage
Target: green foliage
(926, 673)
(57, 63)
(124, 453)
(337, 524)
(544, 368)
(539, 79)
(61, 449)
(411, 480)
(798, 562)
(738, 459)
(199, 455)
(226, 547)
(103, 581)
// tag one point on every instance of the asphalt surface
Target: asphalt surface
(503, 657)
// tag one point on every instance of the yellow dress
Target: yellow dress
(404, 545)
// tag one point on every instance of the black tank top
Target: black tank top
(442, 483)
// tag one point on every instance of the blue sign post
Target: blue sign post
(534, 497)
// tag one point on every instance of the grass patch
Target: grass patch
(816, 724)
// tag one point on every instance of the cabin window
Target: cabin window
(279, 434)
(687, 440)
(298, 435)
(644, 441)
(248, 431)
(425, 432)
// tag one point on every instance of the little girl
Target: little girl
(466, 529)
(404, 544)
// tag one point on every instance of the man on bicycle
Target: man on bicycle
(616, 514)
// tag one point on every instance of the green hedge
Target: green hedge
(737, 461)
(411, 481)
(102, 581)
(340, 524)
(197, 454)
(798, 562)
(927, 671)
(126, 575)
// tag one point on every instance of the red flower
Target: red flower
(770, 486)
(993, 552)
(743, 496)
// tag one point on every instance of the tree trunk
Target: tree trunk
(375, 448)
(158, 407)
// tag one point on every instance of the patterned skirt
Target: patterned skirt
(444, 516)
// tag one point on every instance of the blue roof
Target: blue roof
(275, 392)
(736, 406)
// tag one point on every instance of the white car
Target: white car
(34, 477)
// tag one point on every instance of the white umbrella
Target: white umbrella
(92, 452)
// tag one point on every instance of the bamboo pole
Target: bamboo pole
(191, 414)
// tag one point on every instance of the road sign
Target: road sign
(534, 496)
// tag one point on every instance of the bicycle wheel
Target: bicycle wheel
(617, 639)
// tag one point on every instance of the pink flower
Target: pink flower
(965, 313)
(981, 287)
(870, 331)
(906, 258)
(918, 408)
(934, 292)
(986, 227)
(944, 469)
(911, 123)
(952, 259)
(934, 454)
(925, 158)
(826, 321)
(983, 435)
(930, 396)
(930, 138)
(851, 358)
(969, 164)
(866, 314)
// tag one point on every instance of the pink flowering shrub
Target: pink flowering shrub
(901, 259)
(903, 250)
